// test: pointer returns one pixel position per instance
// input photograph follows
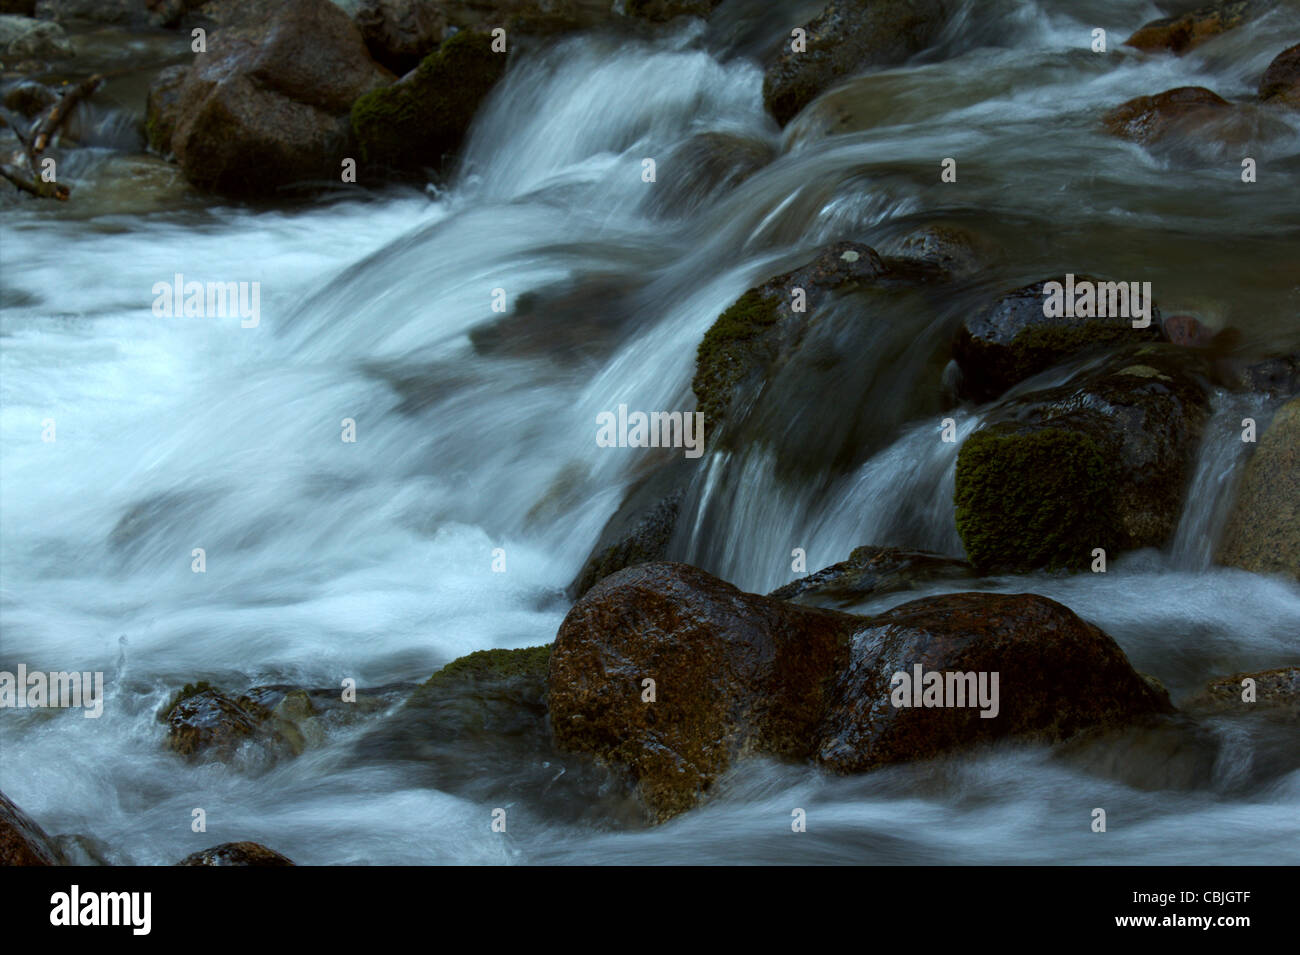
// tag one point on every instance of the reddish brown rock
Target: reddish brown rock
(1151, 119)
(22, 841)
(1263, 532)
(1183, 33)
(1280, 83)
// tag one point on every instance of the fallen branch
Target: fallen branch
(41, 135)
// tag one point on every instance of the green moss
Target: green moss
(495, 664)
(419, 120)
(725, 352)
(1033, 498)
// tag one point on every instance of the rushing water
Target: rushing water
(373, 560)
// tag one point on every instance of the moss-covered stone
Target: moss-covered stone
(1102, 461)
(421, 119)
(1030, 498)
(494, 664)
(1263, 532)
(722, 358)
(184, 693)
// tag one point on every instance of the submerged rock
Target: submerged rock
(737, 674)
(162, 108)
(1013, 340)
(1185, 113)
(237, 854)
(1276, 693)
(1179, 34)
(868, 572)
(958, 251)
(1263, 531)
(705, 166)
(418, 121)
(22, 36)
(848, 37)
(1100, 462)
(268, 105)
(22, 841)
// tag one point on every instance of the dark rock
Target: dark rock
(162, 108)
(958, 251)
(418, 121)
(237, 854)
(117, 12)
(30, 98)
(734, 673)
(400, 33)
(267, 106)
(1102, 461)
(1263, 531)
(1057, 676)
(869, 572)
(1280, 83)
(661, 11)
(1187, 331)
(25, 37)
(1183, 112)
(705, 166)
(1013, 340)
(203, 720)
(1277, 693)
(737, 674)
(737, 351)
(22, 841)
(637, 533)
(848, 37)
(23, 8)
(1278, 377)
(1179, 34)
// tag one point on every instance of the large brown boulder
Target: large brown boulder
(738, 674)
(848, 37)
(1102, 461)
(733, 673)
(1056, 676)
(1179, 34)
(22, 841)
(267, 105)
(1263, 532)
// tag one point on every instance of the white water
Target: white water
(373, 560)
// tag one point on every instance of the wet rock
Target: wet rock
(117, 12)
(1276, 693)
(1278, 377)
(1100, 462)
(1013, 340)
(705, 166)
(23, 36)
(162, 108)
(734, 673)
(22, 841)
(958, 251)
(203, 720)
(399, 33)
(267, 106)
(848, 37)
(1187, 331)
(1179, 34)
(737, 674)
(417, 122)
(1188, 112)
(30, 98)
(237, 854)
(639, 532)
(736, 352)
(661, 11)
(1280, 84)
(25, 8)
(869, 572)
(1263, 531)
(1057, 676)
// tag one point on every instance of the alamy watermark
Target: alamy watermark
(946, 689)
(179, 298)
(655, 429)
(59, 689)
(1089, 299)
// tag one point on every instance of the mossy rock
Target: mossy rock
(1102, 461)
(1263, 532)
(419, 120)
(725, 352)
(529, 662)
(1032, 497)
